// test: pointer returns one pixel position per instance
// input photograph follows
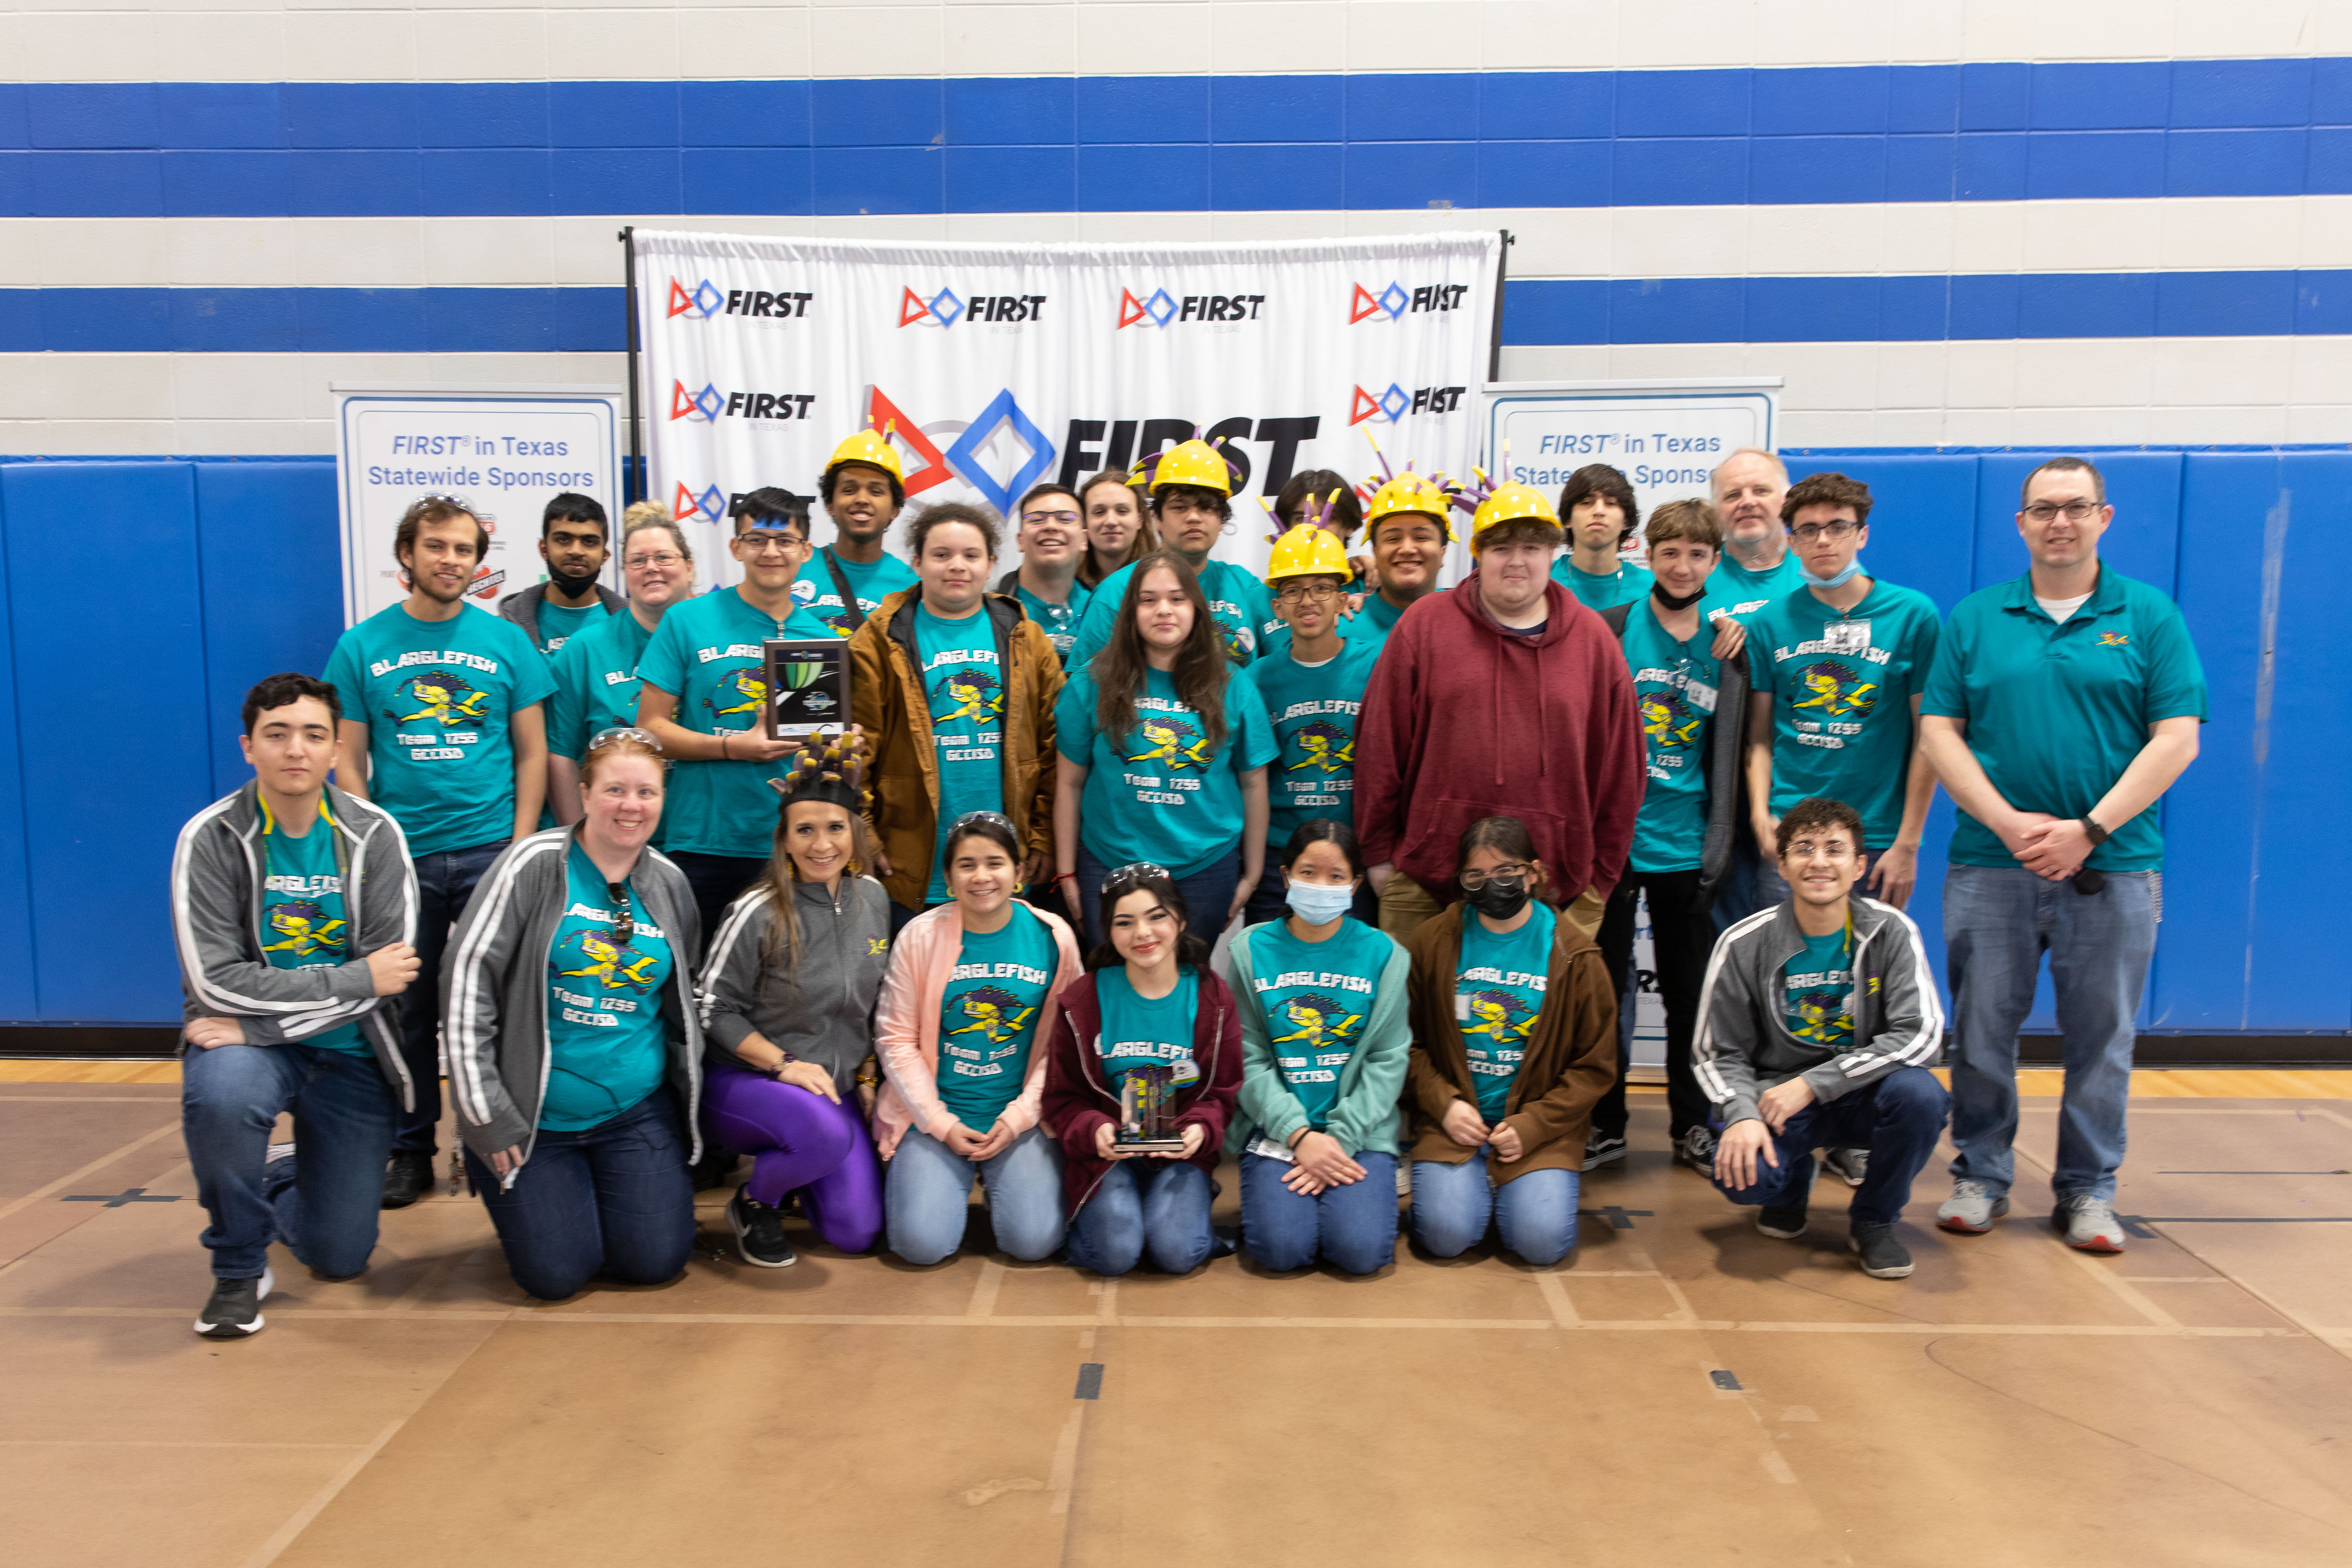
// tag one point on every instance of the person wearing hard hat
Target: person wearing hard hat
(1409, 534)
(1597, 508)
(1313, 686)
(1503, 696)
(864, 487)
(1192, 503)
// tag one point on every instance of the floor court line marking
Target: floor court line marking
(985, 1288)
(2124, 1290)
(1555, 1295)
(101, 1162)
(268, 1551)
(153, 1443)
(1065, 1463)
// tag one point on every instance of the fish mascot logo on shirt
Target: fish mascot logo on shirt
(1170, 741)
(441, 697)
(977, 696)
(744, 690)
(1502, 1016)
(1317, 1021)
(1833, 689)
(605, 958)
(304, 930)
(1668, 721)
(1822, 1018)
(995, 1013)
(1325, 745)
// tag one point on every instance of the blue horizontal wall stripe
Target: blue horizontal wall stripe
(1817, 134)
(1537, 311)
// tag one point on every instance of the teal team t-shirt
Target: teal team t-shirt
(1314, 708)
(870, 581)
(1606, 589)
(1236, 599)
(2056, 711)
(963, 681)
(705, 653)
(1673, 695)
(1499, 990)
(1141, 1032)
(304, 922)
(1159, 792)
(988, 1014)
(605, 1036)
(596, 684)
(559, 624)
(1817, 991)
(1744, 592)
(1842, 683)
(438, 698)
(1316, 997)
(1058, 622)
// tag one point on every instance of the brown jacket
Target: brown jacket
(1571, 1061)
(886, 698)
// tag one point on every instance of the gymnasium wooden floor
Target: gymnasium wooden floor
(1683, 1391)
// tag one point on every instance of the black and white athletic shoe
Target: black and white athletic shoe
(234, 1312)
(1697, 1150)
(1880, 1255)
(759, 1231)
(1784, 1223)
(1600, 1148)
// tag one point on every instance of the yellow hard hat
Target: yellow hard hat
(1511, 503)
(871, 447)
(1410, 492)
(1193, 463)
(1308, 551)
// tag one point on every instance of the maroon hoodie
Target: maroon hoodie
(1078, 1100)
(1463, 720)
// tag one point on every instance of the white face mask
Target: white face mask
(1319, 903)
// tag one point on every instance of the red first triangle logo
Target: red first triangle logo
(912, 309)
(1130, 309)
(1365, 405)
(683, 507)
(881, 414)
(681, 404)
(1360, 308)
(681, 301)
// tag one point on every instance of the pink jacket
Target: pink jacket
(907, 1027)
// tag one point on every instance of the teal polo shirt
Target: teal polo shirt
(2055, 713)
(1746, 592)
(1603, 590)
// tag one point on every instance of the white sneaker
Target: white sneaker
(2090, 1223)
(1971, 1209)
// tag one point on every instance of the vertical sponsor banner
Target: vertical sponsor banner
(998, 367)
(505, 452)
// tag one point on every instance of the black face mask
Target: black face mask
(1658, 591)
(1500, 898)
(570, 588)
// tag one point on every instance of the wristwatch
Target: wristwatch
(2097, 834)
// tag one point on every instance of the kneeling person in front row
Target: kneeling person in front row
(290, 992)
(1815, 1030)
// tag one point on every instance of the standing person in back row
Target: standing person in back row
(864, 489)
(2062, 705)
(1053, 543)
(1501, 697)
(1757, 567)
(596, 671)
(443, 727)
(1192, 503)
(572, 545)
(1597, 508)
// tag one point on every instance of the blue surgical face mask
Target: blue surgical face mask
(1319, 903)
(1839, 581)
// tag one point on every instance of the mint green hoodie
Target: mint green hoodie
(1366, 1115)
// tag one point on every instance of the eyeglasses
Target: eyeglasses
(1307, 592)
(603, 738)
(1806, 533)
(1806, 849)
(625, 924)
(1509, 871)
(974, 818)
(761, 541)
(2075, 511)
(1127, 879)
(661, 558)
(1038, 519)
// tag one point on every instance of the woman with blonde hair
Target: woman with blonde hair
(596, 669)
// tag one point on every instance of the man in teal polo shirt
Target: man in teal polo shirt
(2063, 706)
(1757, 567)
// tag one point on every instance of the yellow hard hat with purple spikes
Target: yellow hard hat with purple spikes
(1193, 462)
(1308, 550)
(871, 447)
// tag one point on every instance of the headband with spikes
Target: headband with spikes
(828, 767)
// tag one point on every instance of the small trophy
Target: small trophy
(808, 685)
(1147, 1112)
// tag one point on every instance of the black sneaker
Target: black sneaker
(407, 1176)
(1600, 1148)
(1697, 1149)
(1880, 1255)
(235, 1309)
(1784, 1222)
(1848, 1165)
(759, 1231)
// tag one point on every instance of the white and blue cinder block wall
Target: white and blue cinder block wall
(1964, 231)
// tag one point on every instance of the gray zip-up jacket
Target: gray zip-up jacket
(494, 989)
(824, 1014)
(522, 608)
(1743, 1045)
(217, 892)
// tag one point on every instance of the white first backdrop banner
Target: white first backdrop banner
(997, 367)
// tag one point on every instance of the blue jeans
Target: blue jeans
(614, 1199)
(322, 1204)
(445, 885)
(1208, 894)
(1897, 1119)
(1998, 922)
(927, 1195)
(1452, 1206)
(1354, 1228)
(1144, 1205)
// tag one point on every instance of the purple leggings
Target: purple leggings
(800, 1142)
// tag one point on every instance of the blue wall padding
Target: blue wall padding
(142, 599)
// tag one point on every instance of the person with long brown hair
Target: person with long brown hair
(1118, 532)
(1163, 746)
(788, 992)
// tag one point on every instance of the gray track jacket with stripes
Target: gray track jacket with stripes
(1744, 1047)
(824, 1014)
(494, 989)
(216, 922)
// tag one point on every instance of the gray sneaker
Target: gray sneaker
(2090, 1223)
(1971, 1209)
(1848, 1165)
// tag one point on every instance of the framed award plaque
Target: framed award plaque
(1147, 1112)
(808, 685)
